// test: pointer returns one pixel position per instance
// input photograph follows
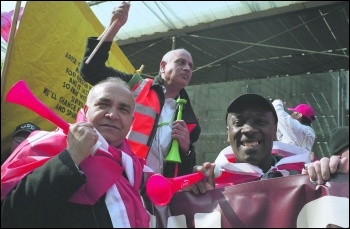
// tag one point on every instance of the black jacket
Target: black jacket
(40, 200)
(96, 71)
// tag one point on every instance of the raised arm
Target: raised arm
(96, 70)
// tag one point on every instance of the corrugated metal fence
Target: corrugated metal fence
(327, 93)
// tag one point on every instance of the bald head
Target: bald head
(169, 55)
(176, 70)
(110, 108)
(113, 81)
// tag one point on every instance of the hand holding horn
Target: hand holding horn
(174, 153)
(21, 90)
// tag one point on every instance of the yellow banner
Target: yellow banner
(46, 53)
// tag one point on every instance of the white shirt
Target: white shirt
(291, 131)
(162, 140)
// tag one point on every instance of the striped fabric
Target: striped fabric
(162, 141)
(294, 158)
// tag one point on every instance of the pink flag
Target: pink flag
(6, 22)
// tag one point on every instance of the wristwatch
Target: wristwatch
(189, 151)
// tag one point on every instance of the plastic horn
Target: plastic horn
(174, 153)
(20, 94)
(160, 189)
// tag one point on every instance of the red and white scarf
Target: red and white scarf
(103, 171)
(294, 158)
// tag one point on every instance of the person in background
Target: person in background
(61, 180)
(339, 141)
(20, 134)
(155, 124)
(295, 128)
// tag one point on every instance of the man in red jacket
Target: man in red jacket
(155, 124)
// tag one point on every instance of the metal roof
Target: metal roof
(151, 17)
(234, 40)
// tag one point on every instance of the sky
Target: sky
(9, 5)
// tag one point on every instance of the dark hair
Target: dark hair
(305, 121)
(339, 139)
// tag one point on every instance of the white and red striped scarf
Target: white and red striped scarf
(103, 172)
(294, 158)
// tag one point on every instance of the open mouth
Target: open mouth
(250, 144)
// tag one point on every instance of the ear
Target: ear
(276, 125)
(275, 137)
(85, 108)
(162, 66)
(228, 136)
(299, 115)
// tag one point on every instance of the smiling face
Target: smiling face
(251, 132)
(176, 69)
(110, 109)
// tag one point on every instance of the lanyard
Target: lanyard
(171, 120)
